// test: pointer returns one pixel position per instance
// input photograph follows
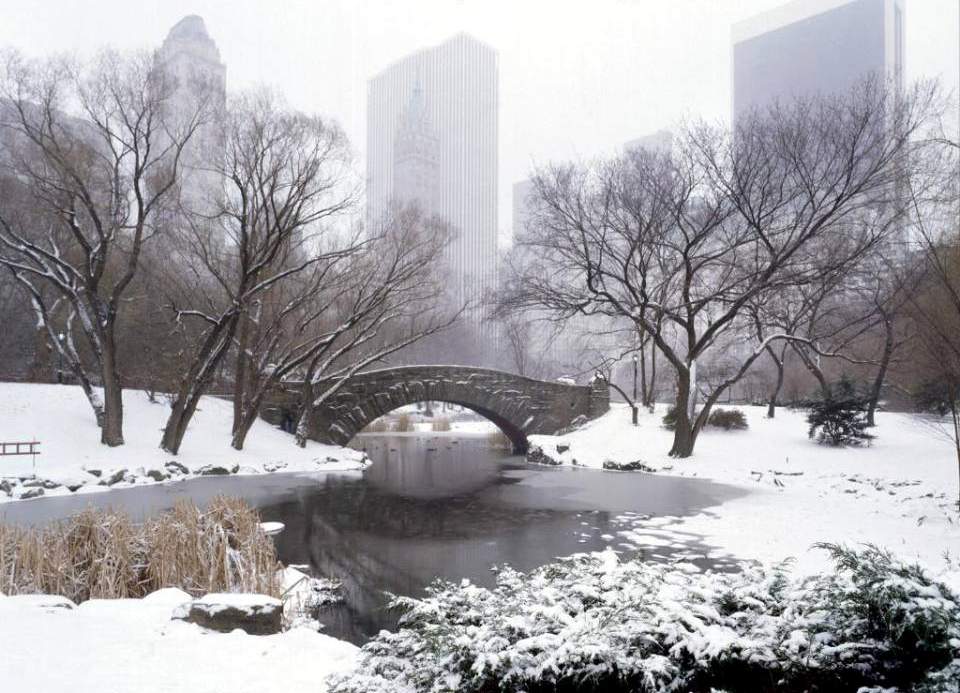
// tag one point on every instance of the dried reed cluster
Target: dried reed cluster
(102, 554)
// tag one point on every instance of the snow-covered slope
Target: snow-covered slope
(133, 645)
(59, 417)
(900, 492)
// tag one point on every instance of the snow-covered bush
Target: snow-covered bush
(594, 623)
(840, 418)
(728, 419)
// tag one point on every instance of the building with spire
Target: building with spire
(416, 155)
(432, 120)
(190, 57)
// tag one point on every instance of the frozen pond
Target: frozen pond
(433, 506)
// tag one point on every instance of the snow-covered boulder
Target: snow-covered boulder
(217, 470)
(256, 614)
(39, 601)
(175, 467)
(28, 493)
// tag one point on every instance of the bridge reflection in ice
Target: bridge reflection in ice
(444, 507)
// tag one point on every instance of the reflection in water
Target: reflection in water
(439, 507)
(428, 507)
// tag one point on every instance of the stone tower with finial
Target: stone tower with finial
(416, 154)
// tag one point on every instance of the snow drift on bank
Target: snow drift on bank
(900, 492)
(60, 418)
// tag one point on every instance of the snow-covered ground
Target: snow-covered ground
(900, 492)
(59, 417)
(133, 645)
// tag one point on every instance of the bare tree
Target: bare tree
(92, 144)
(387, 304)
(688, 240)
(283, 174)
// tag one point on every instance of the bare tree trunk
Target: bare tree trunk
(685, 433)
(814, 369)
(111, 433)
(881, 376)
(240, 373)
(955, 416)
(650, 395)
(195, 383)
(775, 394)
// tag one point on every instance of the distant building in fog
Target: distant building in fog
(191, 57)
(660, 141)
(815, 46)
(521, 206)
(432, 120)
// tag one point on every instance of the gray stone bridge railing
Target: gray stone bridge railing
(518, 405)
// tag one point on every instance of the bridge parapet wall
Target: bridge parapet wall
(518, 405)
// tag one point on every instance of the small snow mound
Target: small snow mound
(40, 601)
(272, 528)
(168, 595)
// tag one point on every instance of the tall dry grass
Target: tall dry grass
(101, 554)
(404, 424)
(441, 424)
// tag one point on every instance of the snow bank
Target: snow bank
(73, 460)
(900, 492)
(133, 645)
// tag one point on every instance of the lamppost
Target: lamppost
(60, 358)
(635, 389)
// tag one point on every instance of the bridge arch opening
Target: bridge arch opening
(518, 439)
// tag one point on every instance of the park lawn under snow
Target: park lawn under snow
(899, 493)
(60, 418)
(133, 645)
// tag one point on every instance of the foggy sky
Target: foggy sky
(577, 78)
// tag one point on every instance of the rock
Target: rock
(635, 466)
(256, 614)
(175, 467)
(274, 466)
(31, 483)
(562, 448)
(157, 474)
(246, 469)
(536, 455)
(217, 470)
(74, 485)
(50, 484)
(6, 487)
(29, 493)
(115, 478)
(93, 472)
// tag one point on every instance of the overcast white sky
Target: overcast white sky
(577, 77)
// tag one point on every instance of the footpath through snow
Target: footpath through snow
(72, 460)
(899, 493)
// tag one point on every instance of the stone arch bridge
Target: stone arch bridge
(518, 405)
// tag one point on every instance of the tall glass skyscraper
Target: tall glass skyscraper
(432, 120)
(811, 46)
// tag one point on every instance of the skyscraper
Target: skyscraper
(432, 120)
(815, 46)
(191, 58)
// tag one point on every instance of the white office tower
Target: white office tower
(432, 138)
(191, 58)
